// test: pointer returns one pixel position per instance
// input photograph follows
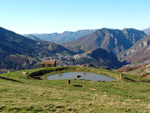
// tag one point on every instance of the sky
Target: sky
(48, 16)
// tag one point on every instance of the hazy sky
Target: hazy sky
(47, 16)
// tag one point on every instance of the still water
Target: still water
(84, 76)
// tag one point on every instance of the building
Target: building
(84, 65)
(48, 63)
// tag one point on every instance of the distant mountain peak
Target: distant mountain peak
(147, 31)
(33, 37)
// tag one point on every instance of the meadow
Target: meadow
(19, 93)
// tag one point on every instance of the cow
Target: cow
(78, 76)
(122, 75)
(25, 73)
(68, 82)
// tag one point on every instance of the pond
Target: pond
(79, 75)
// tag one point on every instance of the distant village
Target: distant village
(65, 60)
(61, 60)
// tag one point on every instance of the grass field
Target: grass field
(19, 94)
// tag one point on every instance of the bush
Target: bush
(44, 71)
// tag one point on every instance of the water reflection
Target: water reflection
(60, 74)
(84, 73)
(84, 76)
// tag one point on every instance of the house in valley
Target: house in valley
(48, 63)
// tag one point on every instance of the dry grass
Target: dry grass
(56, 96)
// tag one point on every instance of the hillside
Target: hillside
(98, 58)
(33, 37)
(63, 37)
(104, 58)
(113, 40)
(18, 52)
(139, 52)
(19, 94)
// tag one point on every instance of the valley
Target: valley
(102, 48)
(74, 56)
(122, 55)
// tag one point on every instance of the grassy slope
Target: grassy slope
(18, 94)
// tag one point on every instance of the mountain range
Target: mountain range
(61, 37)
(113, 40)
(105, 48)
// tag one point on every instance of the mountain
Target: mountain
(63, 37)
(19, 52)
(147, 31)
(139, 52)
(113, 40)
(99, 49)
(104, 58)
(33, 37)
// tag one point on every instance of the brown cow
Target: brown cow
(68, 82)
